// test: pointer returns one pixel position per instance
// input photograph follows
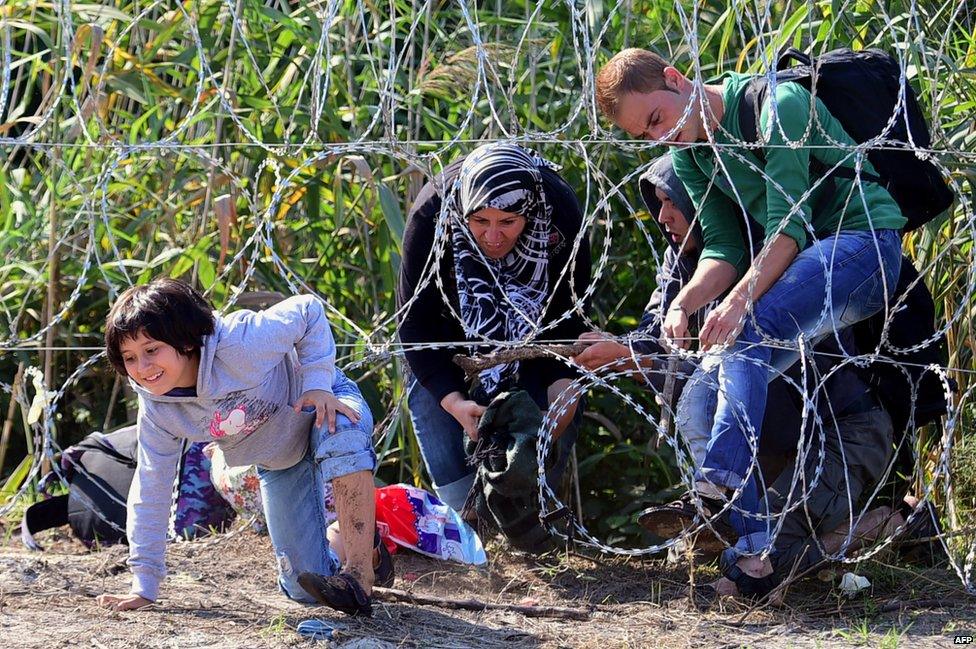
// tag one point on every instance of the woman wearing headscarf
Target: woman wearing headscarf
(492, 253)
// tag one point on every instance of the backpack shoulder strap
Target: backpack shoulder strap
(749, 110)
(755, 94)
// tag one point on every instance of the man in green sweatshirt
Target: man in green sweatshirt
(819, 270)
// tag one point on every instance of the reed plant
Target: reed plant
(261, 147)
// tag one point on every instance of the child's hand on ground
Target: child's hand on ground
(127, 602)
(326, 406)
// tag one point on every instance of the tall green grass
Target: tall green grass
(400, 76)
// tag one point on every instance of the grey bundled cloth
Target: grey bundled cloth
(856, 451)
(505, 489)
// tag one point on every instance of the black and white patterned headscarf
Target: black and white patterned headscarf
(502, 299)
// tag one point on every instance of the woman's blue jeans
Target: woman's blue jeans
(834, 283)
(442, 440)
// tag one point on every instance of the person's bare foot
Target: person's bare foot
(760, 567)
(757, 567)
(725, 587)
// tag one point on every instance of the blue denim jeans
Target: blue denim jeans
(695, 413)
(836, 282)
(442, 440)
(293, 501)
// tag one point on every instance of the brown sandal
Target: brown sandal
(668, 521)
(675, 518)
(341, 592)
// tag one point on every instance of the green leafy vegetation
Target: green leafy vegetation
(245, 157)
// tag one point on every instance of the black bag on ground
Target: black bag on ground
(99, 470)
(862, 90)
(505, 493)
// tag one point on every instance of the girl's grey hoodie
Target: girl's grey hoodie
(252, 370)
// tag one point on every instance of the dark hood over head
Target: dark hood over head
(661, 174)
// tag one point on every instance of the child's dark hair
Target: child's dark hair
(167, 310)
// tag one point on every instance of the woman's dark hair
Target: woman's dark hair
(167, 310)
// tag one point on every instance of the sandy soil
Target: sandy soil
(221, 593)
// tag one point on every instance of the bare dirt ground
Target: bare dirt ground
(221, 593)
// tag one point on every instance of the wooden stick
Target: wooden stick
(891, 606)
(476, 363)
(396, 595)
(50, 305)
(8, 423)
(116, 387)
(666, 425)
(897, 604)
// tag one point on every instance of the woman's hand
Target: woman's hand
(465, 411)
(127, 602)
(601, 352)
(559, 391)
(724, 324)
(326, 406)
(675, 327)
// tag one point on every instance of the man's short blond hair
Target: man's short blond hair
(631, 70)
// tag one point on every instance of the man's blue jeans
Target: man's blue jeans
(442, 440)
(834, 283)
(695, 413)
(294, 504)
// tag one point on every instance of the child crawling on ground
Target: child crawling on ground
(263, 386)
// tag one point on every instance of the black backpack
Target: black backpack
(504, 493)
(909, 392)
(861, 89)
(99, 473)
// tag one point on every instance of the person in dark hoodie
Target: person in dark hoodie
(846, 440)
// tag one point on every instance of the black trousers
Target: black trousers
(855, 453)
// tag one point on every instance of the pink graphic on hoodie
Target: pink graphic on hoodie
(232, 425)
